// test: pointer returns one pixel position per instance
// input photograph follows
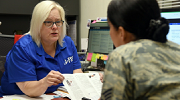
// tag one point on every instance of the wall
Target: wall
(71, 7)
(91, 9)
(17, 6)
(14, 22)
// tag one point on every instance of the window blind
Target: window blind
(168, 3)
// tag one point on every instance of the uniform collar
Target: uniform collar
(59, 48)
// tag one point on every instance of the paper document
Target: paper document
(24, 97)
(62, 94)
(81, 85)
(84, 44)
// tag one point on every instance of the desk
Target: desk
(57, 98)
(54, 98)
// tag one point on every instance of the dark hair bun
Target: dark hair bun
(158, 29)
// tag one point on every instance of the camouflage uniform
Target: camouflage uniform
(143, 70)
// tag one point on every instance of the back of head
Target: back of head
(139, 17)
(40, 13)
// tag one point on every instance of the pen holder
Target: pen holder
(100, 63)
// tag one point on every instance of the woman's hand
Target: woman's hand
(53, 78)
(37, 88)
(101, 77)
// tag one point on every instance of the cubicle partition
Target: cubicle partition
(6, 43)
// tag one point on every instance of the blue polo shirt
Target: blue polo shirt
(28, 62)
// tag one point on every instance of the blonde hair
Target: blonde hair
(40, 14)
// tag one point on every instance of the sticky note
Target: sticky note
(101, 55)
(105, 57)
(97, 56)
(89, 56)
(57, 96)
(93, 57)
(105, 62)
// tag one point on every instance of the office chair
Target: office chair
(17, 37)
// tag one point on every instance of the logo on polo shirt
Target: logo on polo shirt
(68, 60)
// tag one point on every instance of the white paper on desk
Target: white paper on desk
(24, 97)
(62, 94)
(81, 85)
(84, 43)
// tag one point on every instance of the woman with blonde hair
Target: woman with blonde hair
(36, 62)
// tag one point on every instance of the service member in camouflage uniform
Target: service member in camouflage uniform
(144, 65)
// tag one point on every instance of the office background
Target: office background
(91, 9)
(17, 13)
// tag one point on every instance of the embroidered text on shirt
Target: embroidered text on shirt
(69, 60)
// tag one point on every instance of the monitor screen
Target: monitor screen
(99, 40)
(173, 15)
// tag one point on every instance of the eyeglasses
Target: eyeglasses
(51, 23)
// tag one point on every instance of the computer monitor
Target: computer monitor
(173, 15)
(99, 40)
